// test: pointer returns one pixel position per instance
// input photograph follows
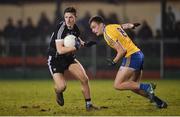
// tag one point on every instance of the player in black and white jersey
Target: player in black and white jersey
(62, 58)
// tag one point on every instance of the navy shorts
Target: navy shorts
(134, 61)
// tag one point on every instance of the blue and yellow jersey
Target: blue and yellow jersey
(113, 33)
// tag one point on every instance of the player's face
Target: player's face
(70, 19)
(97, 28)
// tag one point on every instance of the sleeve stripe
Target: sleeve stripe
(60, 31)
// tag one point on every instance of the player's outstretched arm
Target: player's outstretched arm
(82, 42)
(87, 43)
(130, 25)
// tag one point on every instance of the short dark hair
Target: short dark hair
(70, 10)
(97, 19)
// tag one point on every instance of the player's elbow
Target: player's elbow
(124, 52)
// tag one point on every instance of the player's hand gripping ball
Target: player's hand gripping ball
(72, 41)
(69, 41)
(77, 44)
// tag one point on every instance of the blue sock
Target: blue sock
(144, 86)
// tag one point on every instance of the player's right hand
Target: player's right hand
(135, 25)
(110, 62)
(77, 44)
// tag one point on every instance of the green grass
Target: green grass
(36, 97)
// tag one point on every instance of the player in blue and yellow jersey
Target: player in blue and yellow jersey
(130, 71)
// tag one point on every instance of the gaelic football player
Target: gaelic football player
(62, 58)
(130, 72)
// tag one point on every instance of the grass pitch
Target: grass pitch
(37, 97)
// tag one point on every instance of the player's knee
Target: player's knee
(61, 88)
(118, 86)
(85, 80)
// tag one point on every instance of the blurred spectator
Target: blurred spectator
(44, 26)
(1, 43)
(177, 29)
(84, 27)
(158, 34)
(115, 2)
(101, 13)
(112, 19)
(145, 32)
(30, 31)
(170, 21)
(170, 16)
(10, 31)
(31, 38)
(20, 30)
(1, 33)
(15, 48)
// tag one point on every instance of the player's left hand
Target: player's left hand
(77, 44)
(110, 62)
(89, 43)
(135, 25)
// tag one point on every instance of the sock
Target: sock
(144, 86)
(88, 102)
(157, 100)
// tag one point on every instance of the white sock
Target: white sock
(88, 103)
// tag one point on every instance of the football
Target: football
(69, 41)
